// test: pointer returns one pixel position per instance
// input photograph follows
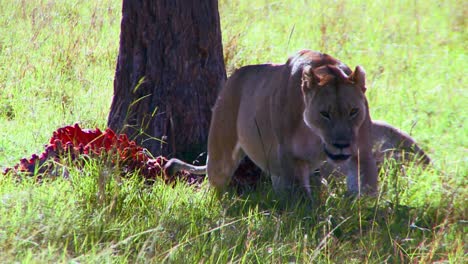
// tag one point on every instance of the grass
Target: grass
(57, 61)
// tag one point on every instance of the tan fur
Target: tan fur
(291, 118)
(388, 143)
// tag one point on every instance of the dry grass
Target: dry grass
(57, 62)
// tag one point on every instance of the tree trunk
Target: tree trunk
(169, 70)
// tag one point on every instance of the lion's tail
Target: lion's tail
(175, 165)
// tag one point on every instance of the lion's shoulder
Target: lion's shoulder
(257, 72)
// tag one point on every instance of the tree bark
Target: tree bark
(169, 70)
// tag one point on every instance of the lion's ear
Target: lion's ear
(359, 78)
(309, 78)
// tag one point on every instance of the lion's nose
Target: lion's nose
(341, 145)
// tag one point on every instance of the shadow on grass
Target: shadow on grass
(383, 224)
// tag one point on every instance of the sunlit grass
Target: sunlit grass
(57, 62)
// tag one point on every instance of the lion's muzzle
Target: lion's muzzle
(341, 151)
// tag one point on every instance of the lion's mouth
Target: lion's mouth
(336, 157)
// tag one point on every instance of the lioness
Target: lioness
(388, 143)
(289, 119)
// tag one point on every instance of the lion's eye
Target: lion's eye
(325, 115)
(353, 113)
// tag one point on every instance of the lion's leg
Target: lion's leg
(369, 173)
(352, 176)
(224, 151)
(361, 174)
(292, 171)
(221, 165)
(281, 184)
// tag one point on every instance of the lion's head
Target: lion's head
(335, 107)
